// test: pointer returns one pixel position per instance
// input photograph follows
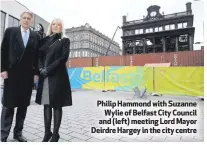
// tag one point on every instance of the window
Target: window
(13, 22)
(137, 31)
(132, 32)
(86, 53)
(87, 45)
(71, 46)
(185, 25)
(99, 42)
(156, 29)
(96, 40)
(180, 25)
(160, 29)
(183, 38)
(150, 30)
(75, 45)
(3, 16)
(167, 27)
(141, 31)
(86, 36)
(172, 26)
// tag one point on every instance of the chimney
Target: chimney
(188, 8)
(124, 19)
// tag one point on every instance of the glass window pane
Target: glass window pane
(3, 16)
(167, 27)
(10, 21)
(172, 26)
(185, 25)
(160, 28)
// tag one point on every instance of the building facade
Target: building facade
(88, 42)
(10, 17)
(159, 32)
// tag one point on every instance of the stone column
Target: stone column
(176, 25)
(164, 44)
(154, 45)
(144, 30)
(176, 44)
(190, 42)
(163, 27)
(144, 45)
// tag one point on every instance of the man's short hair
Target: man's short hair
(28, 12)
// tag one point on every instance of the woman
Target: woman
(54, 89)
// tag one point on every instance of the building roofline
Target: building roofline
(93, 29)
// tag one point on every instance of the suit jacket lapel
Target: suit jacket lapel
(19, 39)
(29, 42)
(31, 38)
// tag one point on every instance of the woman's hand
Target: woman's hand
(43, 72)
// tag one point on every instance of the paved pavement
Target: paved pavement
(78, 119)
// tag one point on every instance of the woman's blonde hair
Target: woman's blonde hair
(49, 31)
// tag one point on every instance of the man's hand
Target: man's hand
(4, 75)
(35, 78)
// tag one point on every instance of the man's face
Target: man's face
(26, 20)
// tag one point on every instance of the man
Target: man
(19, 70)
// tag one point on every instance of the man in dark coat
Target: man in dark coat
(19, 71)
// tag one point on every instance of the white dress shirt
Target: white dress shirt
(23, 33)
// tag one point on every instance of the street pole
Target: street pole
(111, 41)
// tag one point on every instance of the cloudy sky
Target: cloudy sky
(106, 15)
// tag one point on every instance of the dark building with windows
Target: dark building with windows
(159, 32)
(88, 42)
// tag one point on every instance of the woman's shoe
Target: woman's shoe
(47, 137)
(55, 138)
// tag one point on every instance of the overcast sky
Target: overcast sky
(106, 15)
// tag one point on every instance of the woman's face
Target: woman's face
(56, 27)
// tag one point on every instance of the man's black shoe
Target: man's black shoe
(20, 138)
(4, 140)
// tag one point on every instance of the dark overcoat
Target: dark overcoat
(21, 65)
(53, 55)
